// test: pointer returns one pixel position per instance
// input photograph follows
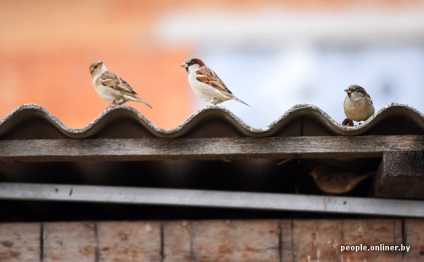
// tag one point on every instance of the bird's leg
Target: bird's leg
(214, 101)
(347, 122)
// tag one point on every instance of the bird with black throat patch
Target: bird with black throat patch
(206, 84)
(111, 87)
(357, 105)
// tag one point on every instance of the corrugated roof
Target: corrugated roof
(32, 121)
(123, 148)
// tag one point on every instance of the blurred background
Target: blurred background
(272, 54)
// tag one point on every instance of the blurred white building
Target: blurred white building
(274, 58)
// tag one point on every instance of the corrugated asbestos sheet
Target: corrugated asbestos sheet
(34, 122)
(213, 165)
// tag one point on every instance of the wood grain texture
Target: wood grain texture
(68, 242)
(286, 244)
(236, 241)
(177, 242)
(401, 175)
(205, 148)
(129, 241)
(316, 240)
(214, 240)
(321, 240)
(20, 242)
(414, 237)
(371, 233)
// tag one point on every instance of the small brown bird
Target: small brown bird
(206, 84)
(334, 180)
(357, 105)
(111, 87)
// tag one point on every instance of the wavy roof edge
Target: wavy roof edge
(313, 112)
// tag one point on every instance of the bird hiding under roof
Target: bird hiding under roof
(335, 180)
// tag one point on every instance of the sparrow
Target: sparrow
(357, 105)
(206, 84)
(333, 180)
(111, 87)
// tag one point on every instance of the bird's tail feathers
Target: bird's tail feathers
(364, 176)
(241, 101)
(138, 99)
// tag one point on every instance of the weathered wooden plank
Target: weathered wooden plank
(374, 232)
(209, 198)
(69, 242)
(177, 244)
(401, 175)
(316, 240)
(205, 148)
(129, 241)
(20, 242)
(414, 237)
(219, 240)
(286, 245)
(236, 241)
(321, 240)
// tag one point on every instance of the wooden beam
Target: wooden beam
(211, 199)
(401, 175)
(206, 148)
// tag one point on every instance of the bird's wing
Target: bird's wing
(111, 80)
(209, 77)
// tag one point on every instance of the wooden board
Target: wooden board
(177, 242)
(373, 232)
(20, 242)
(321, 240)
(414, 236)
(236, 240)
(401, 175)
(216, 240)
(206, 148)
(68, 242)
(129, 241)
(316, 240)
(287, 244)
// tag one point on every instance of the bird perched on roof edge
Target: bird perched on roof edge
(111, 87)
(206, 84)
(357, 105)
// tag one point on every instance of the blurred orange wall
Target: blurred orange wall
(47, 46)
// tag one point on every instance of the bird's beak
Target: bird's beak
(348, 91)
(184, 65)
